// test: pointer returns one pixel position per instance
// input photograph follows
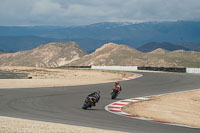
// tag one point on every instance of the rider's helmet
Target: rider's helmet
(98, 92)
(117, 83)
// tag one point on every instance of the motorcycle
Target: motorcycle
(89, 102)
(115, 92)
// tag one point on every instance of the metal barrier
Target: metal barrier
(123, 68)
(192, 70)
(135, 68)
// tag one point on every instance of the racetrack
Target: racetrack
(63, 104)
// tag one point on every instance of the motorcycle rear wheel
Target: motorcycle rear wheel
(86, 105)
(113, 95)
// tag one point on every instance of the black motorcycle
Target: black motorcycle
(114, 94)
(89, 102)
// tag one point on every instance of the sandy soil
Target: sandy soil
(42, 77)
(13, 125)
(181, 108)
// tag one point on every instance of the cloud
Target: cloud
(79, 12)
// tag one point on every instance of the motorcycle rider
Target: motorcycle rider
(117, 87)
(96, 95)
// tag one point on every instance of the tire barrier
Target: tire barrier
(165, 69)
(76, 67)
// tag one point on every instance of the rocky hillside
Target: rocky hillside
(49, 55)
(178, 58)
(110, 54)
(113, 54)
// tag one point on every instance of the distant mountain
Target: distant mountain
(90, 37)
(159, 51)
(20, 43)
(49, 55)
(1, 50)
(148, 47)
(89, 45)
(190, 45)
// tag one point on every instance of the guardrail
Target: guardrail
(123, 68)
(192, 70)
(135, 68)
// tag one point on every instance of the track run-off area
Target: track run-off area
(63, 104)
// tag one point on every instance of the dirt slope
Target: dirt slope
(49, 55)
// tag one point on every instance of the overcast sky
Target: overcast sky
(81, 12)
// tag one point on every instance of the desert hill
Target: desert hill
(69, 54)
(49, 55)
(109, 54)
(122, 55)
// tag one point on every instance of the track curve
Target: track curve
(63, 104)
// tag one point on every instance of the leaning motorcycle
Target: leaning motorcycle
(115, 92)
(89, 102)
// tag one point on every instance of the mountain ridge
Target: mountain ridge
(148, 47)
(93, 36)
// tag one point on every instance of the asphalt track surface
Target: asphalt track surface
(63, 104)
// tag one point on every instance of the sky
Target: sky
(83, 12)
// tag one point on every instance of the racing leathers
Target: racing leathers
(96, 97)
